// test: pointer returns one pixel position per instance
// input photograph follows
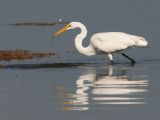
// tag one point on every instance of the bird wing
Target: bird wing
(112, 41)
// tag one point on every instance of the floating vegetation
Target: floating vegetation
(34, 24)
(60, 21)
(8, 55)
(44, 65)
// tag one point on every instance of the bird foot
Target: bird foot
(112, 62)
(133, 61)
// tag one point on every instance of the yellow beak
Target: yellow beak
(64, 29)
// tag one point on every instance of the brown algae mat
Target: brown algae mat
(8, 55)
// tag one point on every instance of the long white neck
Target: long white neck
(79, 40)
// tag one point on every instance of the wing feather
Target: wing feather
(112, 41)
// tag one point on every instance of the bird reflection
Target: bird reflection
(113, 88)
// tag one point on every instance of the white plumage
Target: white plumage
(115, 41)
(105, 42)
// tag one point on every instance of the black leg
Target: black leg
(112, 62)
(132, 60)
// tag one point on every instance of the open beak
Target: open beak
(64, 29)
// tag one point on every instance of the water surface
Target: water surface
(87, 92)
(69, 85)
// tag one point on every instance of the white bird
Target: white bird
(104, 42)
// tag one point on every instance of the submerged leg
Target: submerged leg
(111, 58)
(132, 60)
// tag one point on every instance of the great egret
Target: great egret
(105, 42)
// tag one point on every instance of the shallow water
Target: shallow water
(87, 92)
(69, 85)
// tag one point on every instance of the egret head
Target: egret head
(69, 26)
